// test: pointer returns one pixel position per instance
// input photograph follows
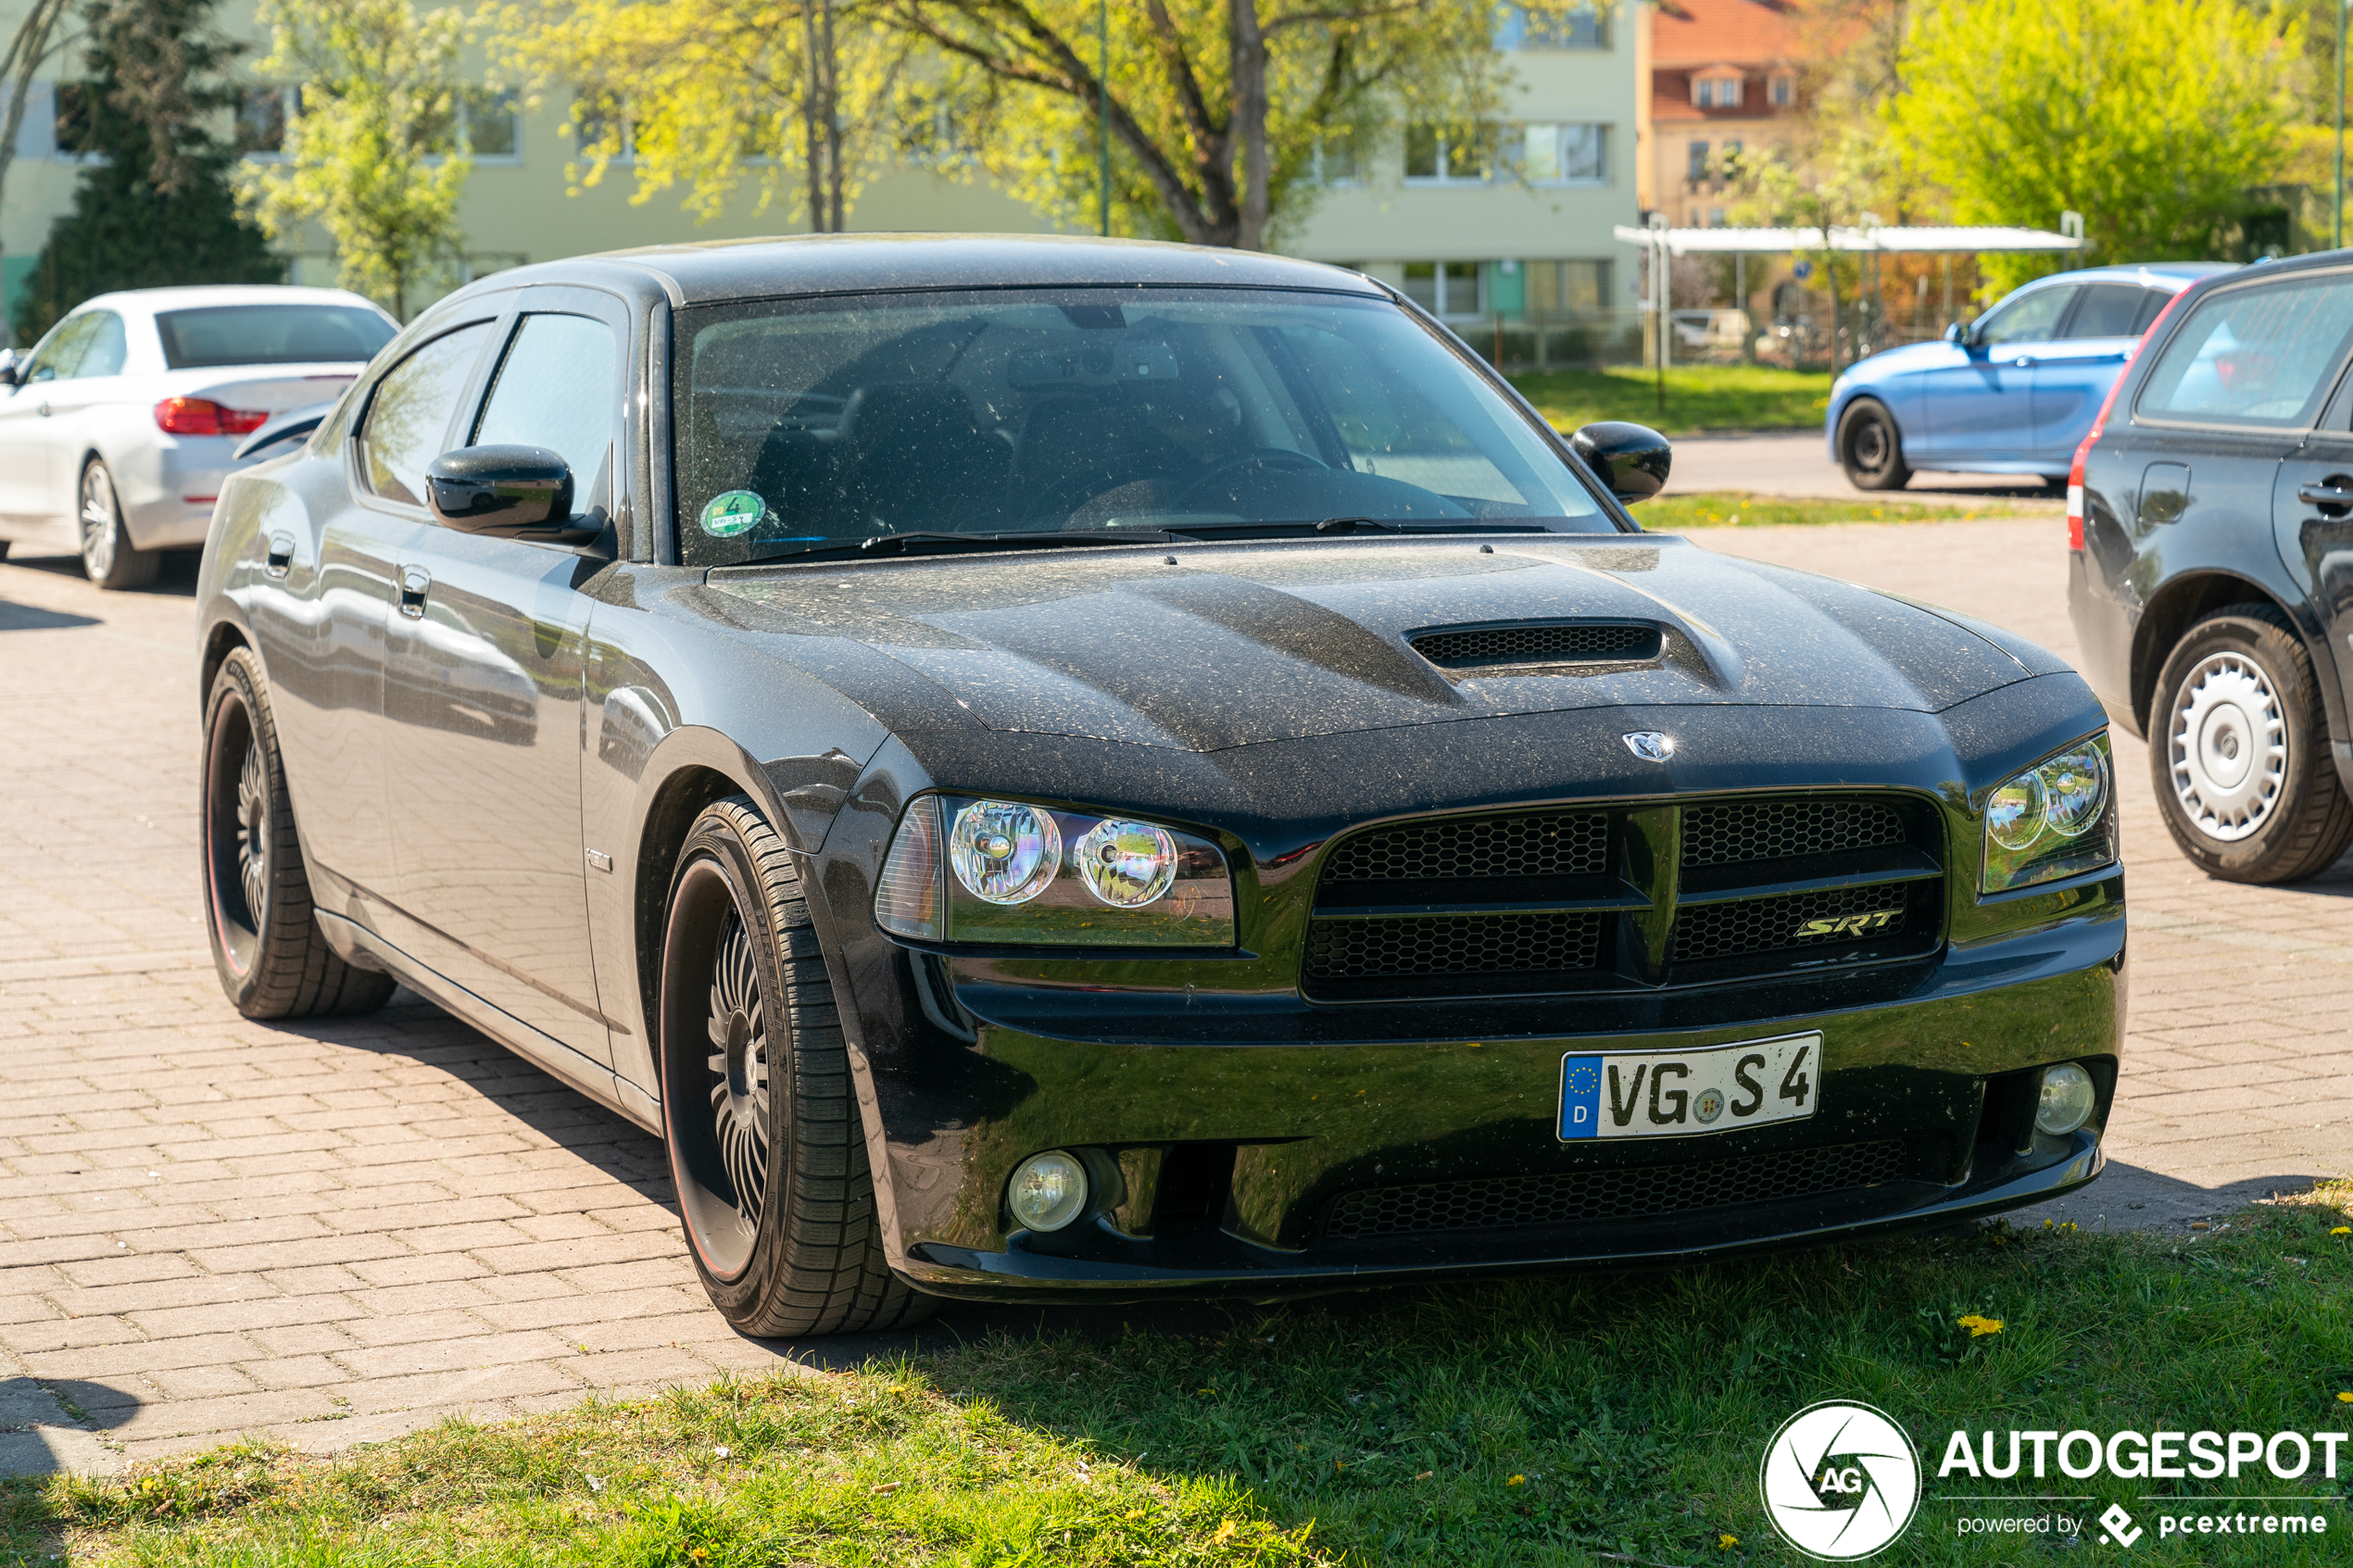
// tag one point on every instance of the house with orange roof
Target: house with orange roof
(1715, 79)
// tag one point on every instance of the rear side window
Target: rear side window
(410, 412)
(270, 334)
(2256, 356)
(2111, 311)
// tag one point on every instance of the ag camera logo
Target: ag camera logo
(1839, 1481)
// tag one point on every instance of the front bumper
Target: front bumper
(1925, 1065)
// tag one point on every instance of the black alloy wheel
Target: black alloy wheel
(1871, 448)
(273, 958)
(108, 557)
(767, 1147)
(2239, 751)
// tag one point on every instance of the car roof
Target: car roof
(2174, 275)
(725, 270)
(195, 297)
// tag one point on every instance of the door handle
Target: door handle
(415, 583)
(45, 409)
(281, 554)
(2325, 495)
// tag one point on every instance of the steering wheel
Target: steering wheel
(1267, 457)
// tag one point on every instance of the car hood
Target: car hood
(1241, 644)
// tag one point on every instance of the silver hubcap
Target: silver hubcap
(253, 827)
(2228, 746)
(738, 1063)
(97, 520)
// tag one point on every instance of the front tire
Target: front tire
(273, 958)
(767, 1148)
(107, 555)
(1870, 447)
(2239, 754)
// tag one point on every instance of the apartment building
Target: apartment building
(1719, 79)
(1495, 222)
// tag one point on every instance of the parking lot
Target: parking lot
(330, 1233)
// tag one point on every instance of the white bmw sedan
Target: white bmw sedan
(118, 427)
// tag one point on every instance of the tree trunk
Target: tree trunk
(26, 53)
(1249, 124)
(809, 149)
(840, 218)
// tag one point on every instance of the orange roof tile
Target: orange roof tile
(1697, 33)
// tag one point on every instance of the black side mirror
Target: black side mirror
(8, 368)
(1958, 332)
(1631, 459)
(508, 493)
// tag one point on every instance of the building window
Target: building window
(1445, 288)
(262, 113)
(600, 127)
(1696, 162)
(1333, 162)
(491, 127)
(1558, 286)
(1555, 26)
(1728, 163)
(1781, 91)
(1716, 217)
(1716, 91)
(1446, 154)
(1553, 154)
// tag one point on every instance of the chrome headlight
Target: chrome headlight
(985, 870)
(2054, 820)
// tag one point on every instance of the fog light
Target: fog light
(2068, 1099)
(1048, 1190)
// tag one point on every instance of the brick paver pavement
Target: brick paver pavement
(336, 1232)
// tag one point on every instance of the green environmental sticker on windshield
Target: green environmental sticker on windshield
(732, 512)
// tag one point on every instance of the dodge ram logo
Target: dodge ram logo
(1852, 925)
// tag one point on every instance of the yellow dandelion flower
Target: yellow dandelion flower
(2341, 1230)
(2344, 1395)
(1225, 1532)
(1516, 1481)
(1727, 1542)
(1979, 1327)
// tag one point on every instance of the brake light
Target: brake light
(2100, 426)
(200, 416)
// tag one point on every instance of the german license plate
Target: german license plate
(1679, 1093)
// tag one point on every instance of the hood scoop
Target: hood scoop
(1538, 648)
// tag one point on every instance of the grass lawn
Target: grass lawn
(1723, 508)
(1699, 397)
(1582, 1421)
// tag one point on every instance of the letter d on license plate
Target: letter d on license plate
(1680, 1094)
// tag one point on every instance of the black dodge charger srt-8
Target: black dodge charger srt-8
(1067, 770)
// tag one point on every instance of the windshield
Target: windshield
(269, 334)
(808, 425)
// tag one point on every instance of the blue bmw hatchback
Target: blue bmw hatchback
(2013, 392)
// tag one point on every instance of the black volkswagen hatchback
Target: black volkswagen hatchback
(1062, 770)
(2210, 575)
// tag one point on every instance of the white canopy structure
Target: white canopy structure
(1907, 239)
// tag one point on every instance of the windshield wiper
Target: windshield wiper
(951, 544)
(1342, 526)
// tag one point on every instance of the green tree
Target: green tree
(370, 155)
(718, 95)
(2152, 118)
(1216, 108)
(157, 209)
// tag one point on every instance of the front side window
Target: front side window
(411, 410)
(270, 334)
(2027, 318)
(807, 425)
(2259, 356)
(559, 387)
(59, 357)
(106, 348)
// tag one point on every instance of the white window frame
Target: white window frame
(1445, 157)
(1516, 137)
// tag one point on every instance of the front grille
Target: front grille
(1766, 925)
(1536, 902)
(1539, 844)
(1570, 1197)
(1373, 949)
(1554, 642)
(1777, 830)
